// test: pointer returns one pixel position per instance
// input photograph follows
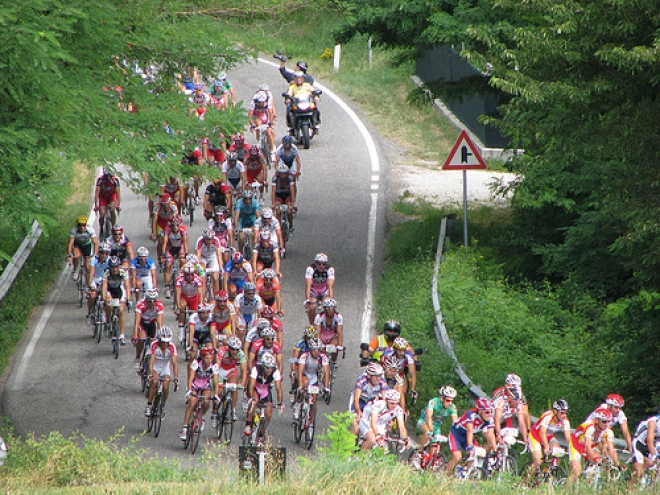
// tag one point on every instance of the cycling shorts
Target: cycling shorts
(640, 451)
(192, 303)
(200, 384)
(238, 283)
(212, 265)
(576, 450)
(85, 249)
(458, 439)
(244, 222)
(252, 175)
(147, 282)
(106, 200)
(226, 374)
(328, 336)
(234, 182)
(201, 338)
(147, 329)
(162, 369)
(117, 293)
(264, 392)
(173, 253)
(535, 444)
(283, 198)
(245, 320)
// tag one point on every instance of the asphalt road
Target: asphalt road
(63, 381)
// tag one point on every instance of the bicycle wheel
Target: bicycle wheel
(158, 411)
(115, 338)
(189, 432)
(196, 432)
(311, 426)
(557, 476)
(437, 464)
(530, 479)
(81, 286)
(284, 225)
(150, 419)
(227, 419)
(299, 425)
(510, 465)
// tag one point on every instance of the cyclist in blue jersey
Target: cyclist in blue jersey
(245, 215)
(99, 264)
(143, 272)
(288, 154)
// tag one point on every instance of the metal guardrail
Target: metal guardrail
(18, 260)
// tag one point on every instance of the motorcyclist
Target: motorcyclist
(289, 74)
(299, 85)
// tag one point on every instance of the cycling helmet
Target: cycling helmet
(287, 139)
(264, 235)
(104, 247)
(176, 221)
(247, 194)
(237, 257)
(267, 312)
(165, 198)
(106, 171)
(515, 392)
(264, 87)
(254, 150)
(232, 156)
(234, 343)
(222, 76)
(615, 400)
(239, 139)
(311, 332)
(267, 213)
(447, 392)
(321, 258)
(165, 334)
(392, 395)
(218, 82)
(302, 65)
(268, 274)
(204, 308)
(392, 362)
(151, 295)
(268, 332)
(192, 258)
(249, 287)
(262, 323)
(484, 404)
(400, 344)
(560, 405)
(512, 379)
(298, 73)
(117, 229)
(329, 303)
(260, 97)
(315, 344)
(392, 329)
(82, 220)
(198, 86)
(208, 234)
(374, 369)
(142, 252)
(268, 361)
(114, 261)
(188, 268)
(603, 413)
(207, 351)
(221, 295)
(282, 168)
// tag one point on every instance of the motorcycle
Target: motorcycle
(300, 117)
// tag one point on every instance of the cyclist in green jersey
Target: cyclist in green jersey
(435, 412)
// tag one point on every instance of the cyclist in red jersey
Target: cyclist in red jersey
(149, 315)
(188, 293)
(176, 247)
(223, 317)
(240, 147)
(256, 169)
(268, 287)
(107, 194)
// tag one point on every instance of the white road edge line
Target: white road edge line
(365, 333)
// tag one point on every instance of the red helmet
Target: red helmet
(603, 413)
(165, 198)
(615, 400)
(221, 295)
(484, 404)
(207, 351)
(239, 140)
(254, 150)
(267, 312)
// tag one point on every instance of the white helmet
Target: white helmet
(282, 168)
(392, 395)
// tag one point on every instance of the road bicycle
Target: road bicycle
(195, 425)
(264, 147)
(99, 324)
(246, 246)
(549, 472)
(144, 366)
(472, 467)
(157, 409)
(305, 424)
(114, 331)
(503, 460)
(430, 458)
(258, 425)
(332, 352)
(598, 474)
(191, 200)
(225, 426)
(285, 224)
(106, 224)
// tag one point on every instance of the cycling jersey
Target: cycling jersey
(222, 319)
(108, 185)
(233, 174)
(82, 238)
(328, 329)
(438, 414)
(149, 315)
(247, 213)
(313, 366)
(115, 284)
(288, 156)
(172, 188)
(98, 268)
(242, 152)
(501, 402)
(272, 225)
(119, 247)
(319, 279)
(201, 329)
(163, 359)
(266, 253)
(175, 239)
(238, 273)
(143, 271)
(253, 165)
(263, 382)
(248, 307)
(458, 432)
(229, 365)
(259, 349)
(384, 417)
(369, 392)
(189, 289)
(210, 253)
(217, 194)
(282, 187)
(553, 425)
(268, 292)
(203, 376)
(301, 345)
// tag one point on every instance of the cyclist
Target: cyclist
(256, 170)
(383, 342)
(209, 253)
(267, 222)
(237, 273)
(107, 195)
(590, 439)
(436, 410)
(201, 331)
(268, 288)
(120, 246)
(265, 254)
(645, 446)
(319, 284)
(509, 404)
(232, 364)
(116, 285)
(288, 154)
(222, 92)
(245, 215)
(262, 377)
(614, 403)
(261, 112)
(203, 380)
(143, 272)
(82, 242)
(223, 316)
(176, 247)
(524, 419)
(401, 350)
(301, 346)
(224, 232)
(213, 155)
(330, 326)
(541, 438)
(478, 419)
(368, 387)
(176, 192)
(239, 146)
(188, 294)
(313, 366)
(266, 344)
(234, 171)
(248, 306)
(378, 417)
(393, 377)
(162, 364)
(99, 264)
(217, 194)
(283, 192)
(255, 333)
(275, 323)
(164, 211)
(149, 315)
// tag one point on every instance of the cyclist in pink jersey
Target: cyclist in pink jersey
(176, 247)
(319, 284)
(149, 315)
(204, 381)
(232, 365)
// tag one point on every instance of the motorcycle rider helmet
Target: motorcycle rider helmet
(392, 329)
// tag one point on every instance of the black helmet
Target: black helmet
(302, 65)
(114, 261)
(392, 329)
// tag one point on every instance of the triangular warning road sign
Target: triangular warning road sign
(464, 155)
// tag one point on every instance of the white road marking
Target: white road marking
(366, 326)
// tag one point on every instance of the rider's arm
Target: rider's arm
(136, 325)
(497, 421)
(356, 402)
(214, 336)
(543, 434)
(118, 202)
(298, 163)
(340, 335)
(152, 361)
(293, 194)
(428, 413)
(69, 248)
(490, 439)
(650, 439)
(403, 429)
(276, 256)
(175, 367)
(278, 388)
(626, 435)
(331, 288)
(412, 371)
(469, 427)
(326, 376)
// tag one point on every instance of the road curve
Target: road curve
(62, 381)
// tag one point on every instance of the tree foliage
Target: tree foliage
(63, 59)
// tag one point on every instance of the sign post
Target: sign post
(464, 156)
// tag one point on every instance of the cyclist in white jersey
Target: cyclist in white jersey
(234, 171)
(98, 264)
(378, 417)
(645, 445)
(319, 284)
(267, 222)
(209, 252)
(162, 364)
(248, 306)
